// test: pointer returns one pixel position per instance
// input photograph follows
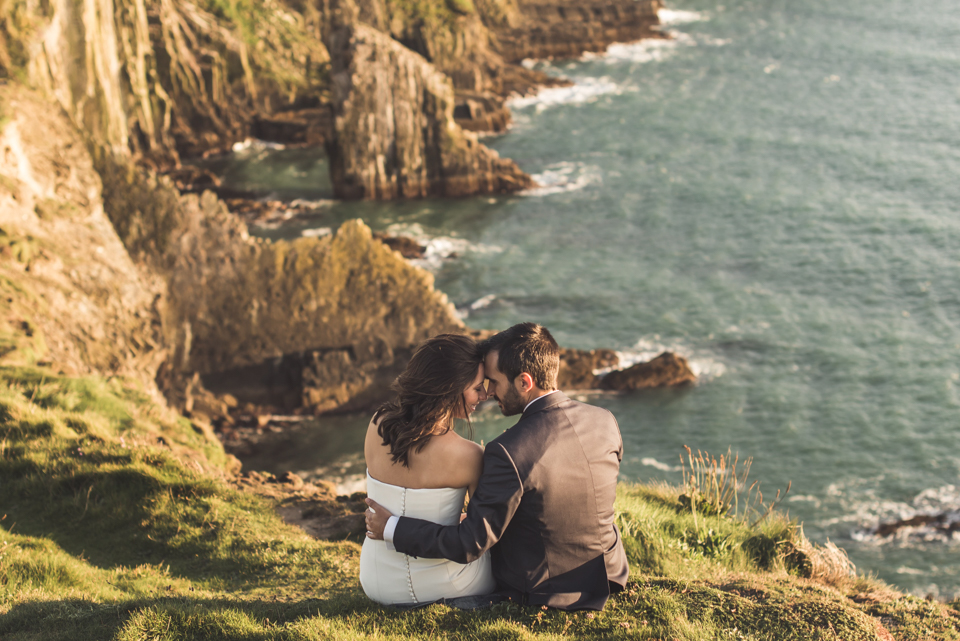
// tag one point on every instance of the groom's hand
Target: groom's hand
(377, 517)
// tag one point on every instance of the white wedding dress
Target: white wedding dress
(394, 578)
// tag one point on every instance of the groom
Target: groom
(544, 504)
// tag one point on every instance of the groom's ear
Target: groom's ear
(525, 382)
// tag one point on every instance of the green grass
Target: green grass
(116, 522)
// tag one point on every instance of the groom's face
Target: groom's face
(500, 388)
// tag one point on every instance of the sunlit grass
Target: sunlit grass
(116, 522)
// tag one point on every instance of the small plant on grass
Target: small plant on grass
(713, 487)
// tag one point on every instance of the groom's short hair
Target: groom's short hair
(526, 347)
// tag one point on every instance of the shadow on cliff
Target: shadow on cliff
(225, 618)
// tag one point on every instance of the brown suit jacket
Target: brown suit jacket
(543, 509)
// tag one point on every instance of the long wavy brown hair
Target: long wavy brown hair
(429, 394)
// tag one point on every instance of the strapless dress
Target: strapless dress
(393, 578)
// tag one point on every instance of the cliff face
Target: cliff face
(162, 78)
(166, 79)
(68, 283)
(322, 323)
(395, 135)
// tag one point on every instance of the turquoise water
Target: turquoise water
(774, 195)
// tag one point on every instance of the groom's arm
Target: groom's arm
(488, 514)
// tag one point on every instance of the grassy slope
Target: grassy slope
(116, 522)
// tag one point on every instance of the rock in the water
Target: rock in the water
(943, 526)
(577, 367)
(666, 370)
(395, 132)
(404, 245)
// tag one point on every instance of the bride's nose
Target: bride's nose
(483, 393)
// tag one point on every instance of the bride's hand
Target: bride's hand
(376, 517)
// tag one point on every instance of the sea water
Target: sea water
(772, 193)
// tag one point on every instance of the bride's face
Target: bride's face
(475, 393)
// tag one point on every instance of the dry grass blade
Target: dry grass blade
(714, 486)
(829, 564)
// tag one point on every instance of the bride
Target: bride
(418, 466)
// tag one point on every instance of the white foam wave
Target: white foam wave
(934, 513)
(562, 177)
(317, 232)
(703, 365)
(670, 17)
(438, 248)
(255, 144)
(940, 499)
(303, 203)
(583, 91)
(480, 303)
(651, 50)
(485, 301)
(652, 462)
(905, 570)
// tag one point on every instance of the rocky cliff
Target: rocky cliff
(166, 79)
(316, 323)
(395, 135)
(69, 286)
(176, 285)
(313, 323)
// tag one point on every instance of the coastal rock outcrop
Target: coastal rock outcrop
(578, 367)
(395, 133)
(552, 29)
(666, 370)
(313, 323)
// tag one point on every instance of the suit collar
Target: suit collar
(547, 400)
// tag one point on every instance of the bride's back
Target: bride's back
(447, 460)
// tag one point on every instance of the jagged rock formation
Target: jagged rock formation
(320, 323)
(395, 135)
(165, 79)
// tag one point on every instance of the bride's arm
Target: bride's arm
(473, 467)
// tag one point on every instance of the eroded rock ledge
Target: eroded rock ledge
(395, 134)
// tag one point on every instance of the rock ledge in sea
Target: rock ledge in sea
(578, 370)
(666, 370)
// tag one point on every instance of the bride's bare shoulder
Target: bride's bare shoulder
(461, 459)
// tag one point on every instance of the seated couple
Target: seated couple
(539, 527)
